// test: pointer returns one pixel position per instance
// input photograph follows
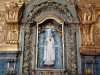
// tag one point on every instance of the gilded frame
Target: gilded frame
(37, 26)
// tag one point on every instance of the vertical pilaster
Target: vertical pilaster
(27, 53)
(33, 45)
(22, 45)
(78, 49)
(73, 49)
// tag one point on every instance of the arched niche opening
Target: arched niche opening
(46, 30)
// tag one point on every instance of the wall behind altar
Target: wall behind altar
(72, 34)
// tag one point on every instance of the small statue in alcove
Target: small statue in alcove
(89, 71)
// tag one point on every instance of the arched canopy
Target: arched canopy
(37, 2)
(69, 6)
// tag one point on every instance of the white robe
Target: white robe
(49, 51)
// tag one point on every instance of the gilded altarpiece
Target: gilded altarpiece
(9, 38)
(9, 27)
(43, 21)
(89, 27)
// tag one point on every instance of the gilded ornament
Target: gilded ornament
(12, 12)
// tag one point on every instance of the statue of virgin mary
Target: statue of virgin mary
(49, 47)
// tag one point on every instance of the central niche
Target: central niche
(50, 45)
